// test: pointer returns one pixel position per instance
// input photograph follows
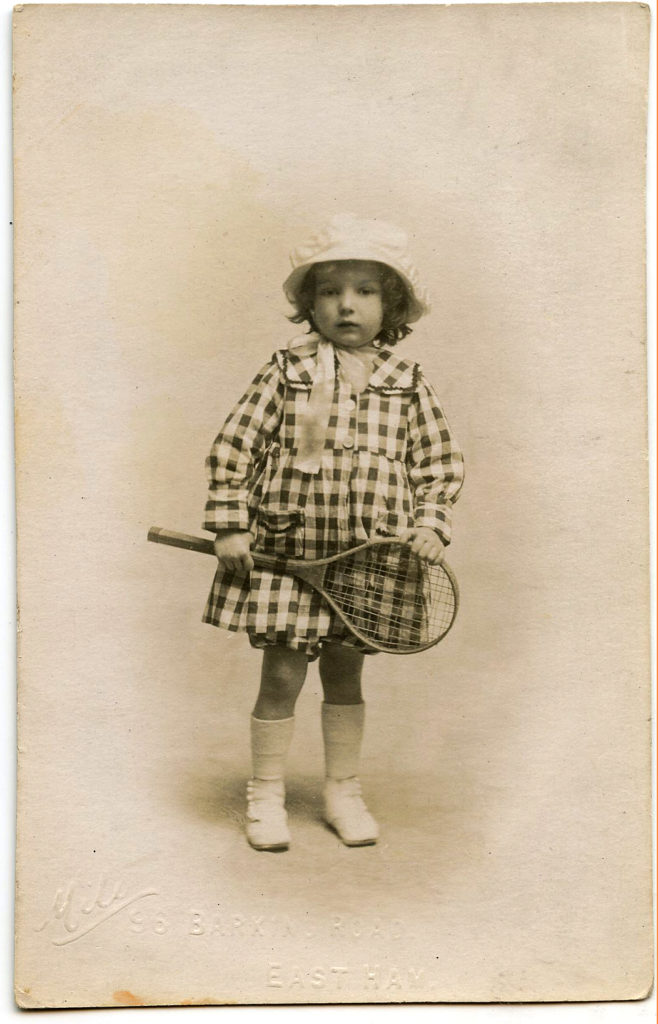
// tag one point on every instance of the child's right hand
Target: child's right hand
(233, 548)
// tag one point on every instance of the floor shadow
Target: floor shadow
(221, 797)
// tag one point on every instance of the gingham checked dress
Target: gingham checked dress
(389, 462)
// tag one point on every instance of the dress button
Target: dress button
(348, 442)
(350, 404)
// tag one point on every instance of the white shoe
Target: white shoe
(267, 821)
(347, 814)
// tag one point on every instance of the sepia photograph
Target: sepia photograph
(334, 655)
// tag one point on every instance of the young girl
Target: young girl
(336, 441)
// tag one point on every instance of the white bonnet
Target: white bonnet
(347, 237)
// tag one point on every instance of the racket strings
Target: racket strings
(391, 597)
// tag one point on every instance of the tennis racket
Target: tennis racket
(386, 596)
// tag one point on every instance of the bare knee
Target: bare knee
(282, 678)
(340, 672)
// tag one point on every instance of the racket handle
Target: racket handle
(207, 547)
(181, 540)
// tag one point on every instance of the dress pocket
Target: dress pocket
(280, 532)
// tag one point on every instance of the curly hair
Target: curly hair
(395, 302)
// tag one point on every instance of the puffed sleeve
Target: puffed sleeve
(435, 466)
(239, 446)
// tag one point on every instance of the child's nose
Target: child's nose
(346, 300)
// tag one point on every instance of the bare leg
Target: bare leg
(340, 672)
(282, 678)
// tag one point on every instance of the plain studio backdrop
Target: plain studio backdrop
(167, 160)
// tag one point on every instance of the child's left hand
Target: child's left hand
(425, 543)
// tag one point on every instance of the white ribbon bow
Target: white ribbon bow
(356, 367)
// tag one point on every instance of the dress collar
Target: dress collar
(390, 373)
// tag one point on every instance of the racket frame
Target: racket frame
(313, 573)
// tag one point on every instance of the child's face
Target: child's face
(348, 308)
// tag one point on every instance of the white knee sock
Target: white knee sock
(270, 741)
(342, 731)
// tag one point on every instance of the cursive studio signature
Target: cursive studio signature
(80, 907)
